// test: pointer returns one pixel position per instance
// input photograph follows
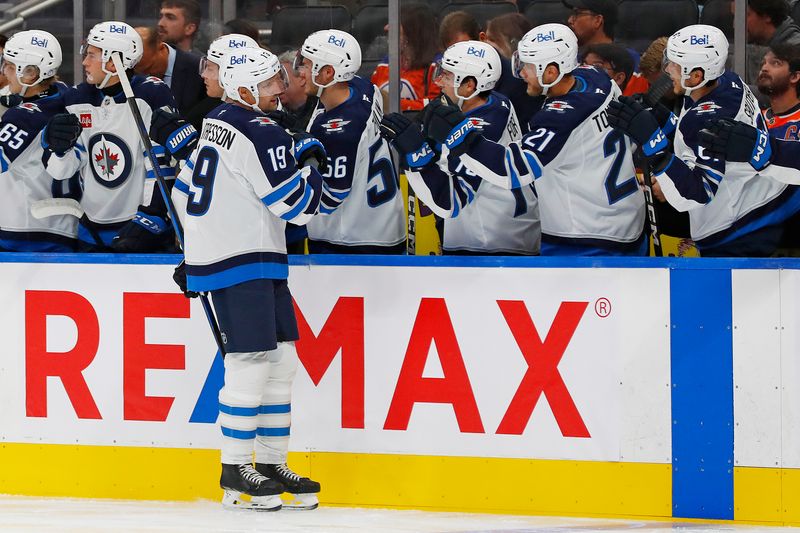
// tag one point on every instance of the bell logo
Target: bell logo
(545, 37)
(238, 60)
(698, 40)
(36, 41)
(477, 52)
(336, 42)
(117, 29)
(236, 44)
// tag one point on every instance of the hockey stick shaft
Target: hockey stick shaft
(647, 178)
(51, 207)
(162, 185)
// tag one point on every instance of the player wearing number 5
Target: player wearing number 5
(589, 199)
(361, 174)
(234, 196)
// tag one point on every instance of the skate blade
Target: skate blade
(236, 500)
(300, 502)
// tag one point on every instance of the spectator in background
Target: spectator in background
(613, 59)
(418, 50)
(593, 22)
(296, 100)
(767, 23)
(178, 69)
(504, 32)
(779, 80)
(460, 26)
(5, 90)
(650, 65)
(241, 27)
(179, 22)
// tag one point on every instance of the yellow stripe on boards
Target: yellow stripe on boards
(767, 495)
(401, 481)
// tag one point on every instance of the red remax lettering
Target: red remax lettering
(67, 366)
(542, 376)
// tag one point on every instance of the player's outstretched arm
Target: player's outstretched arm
(736, 141)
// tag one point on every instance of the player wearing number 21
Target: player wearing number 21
(370, 218)
(589, 200)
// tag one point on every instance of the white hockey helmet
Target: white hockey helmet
(115, 37)
(336, 48)
(470, 58)
(697, 46)
(544, 45)
(257, 70)
(222, 45)
(33, 48)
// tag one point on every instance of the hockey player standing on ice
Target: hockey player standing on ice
(234, 196)
(360, 171)
(30, 61)
(479, 218)
(589, 200)
(732, 210)
(122, 203)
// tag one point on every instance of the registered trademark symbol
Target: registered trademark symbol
(602, 306)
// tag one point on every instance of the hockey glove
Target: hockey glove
(407, 138)
(736, 141)
(61, 133)
(148, 231)
(179, 276)
(308, 150)
(173, 133)
(283, 119)
(10, 100)
(630, 117)
(446, 124)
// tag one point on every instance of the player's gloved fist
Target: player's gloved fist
(173, 133)
(447, 125)
(736, 141)
(406, 136)
(308, 150)
(629, 116)
(148, 231)
(283, 119)
(179, 276)
(61, 133)
(10, 100)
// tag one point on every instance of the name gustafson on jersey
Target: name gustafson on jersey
(218, 135)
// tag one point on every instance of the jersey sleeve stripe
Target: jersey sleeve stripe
(283, 191)
(301, 205)
(182, 187)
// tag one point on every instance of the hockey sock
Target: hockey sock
(274, 419)
(239, 401)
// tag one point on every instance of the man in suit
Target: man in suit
(180, 70)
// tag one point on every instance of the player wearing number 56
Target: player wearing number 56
(589, 200)
(370, 218)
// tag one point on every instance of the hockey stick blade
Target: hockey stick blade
(56, 206)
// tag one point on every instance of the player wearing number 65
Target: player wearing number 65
(589, 199)
(370, 218)
(30, 61)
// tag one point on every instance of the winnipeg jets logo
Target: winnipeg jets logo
(110, 159)
(559, 106)
(478, 122)
(263, 121)
(335, 125)
(30, 107)
(707, 107)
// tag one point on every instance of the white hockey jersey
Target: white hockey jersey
(24, 181)
(234, 196)
(725, 201)
(110, 154)
(360, 172)
(589, 199)
(479, 216)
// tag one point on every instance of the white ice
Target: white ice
(23, 514)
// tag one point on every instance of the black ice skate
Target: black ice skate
(303, 490)
(237, 480)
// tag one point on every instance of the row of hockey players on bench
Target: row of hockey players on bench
(75, 174)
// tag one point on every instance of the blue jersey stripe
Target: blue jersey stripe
(282, 192)
(237, 411)
(238, 433)
(282, 408)
(236, 275)
(273, 432)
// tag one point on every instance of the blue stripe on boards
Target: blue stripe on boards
(702, 394)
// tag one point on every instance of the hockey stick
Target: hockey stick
(162, 185)
(51, 207)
